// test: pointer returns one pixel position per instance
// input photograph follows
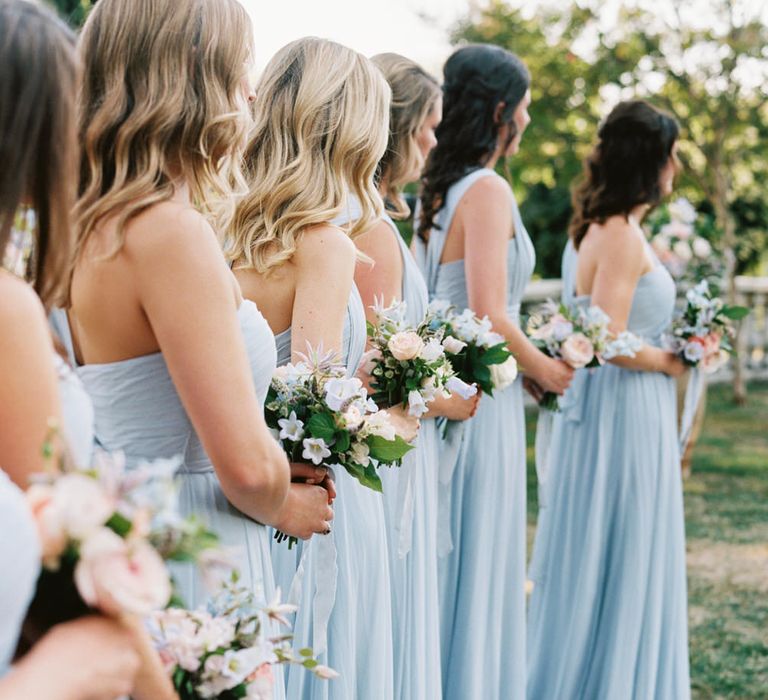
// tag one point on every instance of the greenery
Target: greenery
(726, 503)
(74, 11)
(715, 81)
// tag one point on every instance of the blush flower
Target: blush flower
(405, 345)
(577, 351)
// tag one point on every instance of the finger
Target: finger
(330, 487)
(308, 471)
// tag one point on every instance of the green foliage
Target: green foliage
(580, 68)
(74, 11)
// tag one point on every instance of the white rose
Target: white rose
(81, 504)
(701, 247)
(504, 374)
(405, 345)
(682, 250)
(432, 351)
(453, 345)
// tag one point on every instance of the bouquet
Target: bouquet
(477, 354)
(106, 534)
(409, 366)
(321, 416)
(702, 335)
(224, 651)
(679, 238)
(579, 337)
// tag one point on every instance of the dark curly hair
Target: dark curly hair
(477, 78)
(623, 171)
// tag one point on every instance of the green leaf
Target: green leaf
(342, 441)
(735, 313)
(367, 476)
(321, 425)
(495, 355)
(387, 450)
(310, 664)
(306, 652)
(119, 524)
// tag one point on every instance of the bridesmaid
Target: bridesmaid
(321, 116)
(608, 612)
(158, 323)
(410, 492)
(92, 657)
(476, 253)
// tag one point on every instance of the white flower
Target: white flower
(561, 328)
(416, 405)
(291, 428)
(701, 247)
(660, 244)
(261, 684)
(453, 345)
(683, 250)
(429, 389)
(216, 632)
(340, 390)
(504, 374)
(360, 453)
(293, 373)
(315, 450)
(682, 210)
(325, 672)
(277, 610)
(457, 386)
(81, 504)
(379, 424)
(625, 344)
(352, 417)
(432, 351)
(369, 360)
(677, 229)
(694, 350)
(489, 339)
(439, 308)
(406, 345)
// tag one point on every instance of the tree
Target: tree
(713, 78)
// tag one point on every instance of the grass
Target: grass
(726, 504)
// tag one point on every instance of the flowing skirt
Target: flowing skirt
(356, 607)
(607, 616)
(482, 579)
(202, 497)
(410, 504)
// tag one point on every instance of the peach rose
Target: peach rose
(405, 345)
(53, 538)
(117, 576)
(577, 351)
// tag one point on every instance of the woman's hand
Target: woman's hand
(455, 408)
(552, 375)
(405, 425)
(303, 473)
(673, 366)
(307, 510)
(92, 658)
(533, 389)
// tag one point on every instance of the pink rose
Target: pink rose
(405, 345)
(577, 351)
(261, 683)
(53, 538)
(117, 576)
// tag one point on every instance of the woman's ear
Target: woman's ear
(498, 111)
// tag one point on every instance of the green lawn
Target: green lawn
(726, 502)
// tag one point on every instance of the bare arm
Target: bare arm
(486, 216)
(619, 260)
(191, 305)
(28, 381)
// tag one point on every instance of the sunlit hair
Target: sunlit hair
(624, 169)
(38, 137)
(414, 95)
(163, 100)
(321, 121)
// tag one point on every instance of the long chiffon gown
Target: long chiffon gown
(482, 576)
(341, 581)
(139, 412)
(607, 615)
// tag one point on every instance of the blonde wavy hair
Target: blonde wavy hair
(414, 95)
(162, 100)
(321, 121)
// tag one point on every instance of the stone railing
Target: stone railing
(752, 340)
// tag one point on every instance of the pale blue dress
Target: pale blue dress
(342, 583)
(607, 616)
(482, 576)
(139, 412)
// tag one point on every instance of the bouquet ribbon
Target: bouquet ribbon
(692, 397)
(453, 438)
(405, 499)
(321, 551)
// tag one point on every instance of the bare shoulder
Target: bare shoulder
(20, 309)
(325, 245)
(379, 242)
(490, 190)
(169, 229)
(615, 242)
